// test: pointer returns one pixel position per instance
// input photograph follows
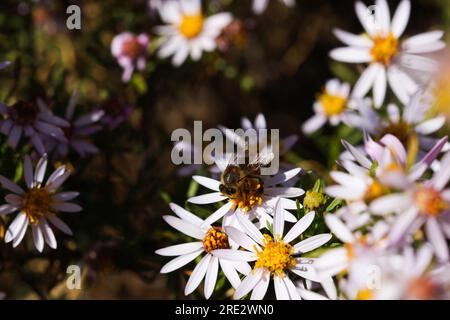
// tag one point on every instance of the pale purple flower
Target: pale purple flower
(115, 112)
(421, 204)
(34, 121)
(78, 132)
(38, 204)
(130, 50)
(4, 64)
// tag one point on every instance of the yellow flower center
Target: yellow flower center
(276, 256)
(313, 199)
(430, 202)
(365, 294)
(442, 95)
(191, 26)
(214, 239)
(332, 105)
(37, 202)
(384, 49)
(375, 191)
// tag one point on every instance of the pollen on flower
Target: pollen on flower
(191, 25)
(313, 199)
(332, 104)
(276, 256)
(36, 202)
(215, 239)
(384, 49)
(375, 190)
(132, 48)
(247, 201)
(430, 201)
(350, 250)
(365, 294)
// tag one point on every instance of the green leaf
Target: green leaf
(333, 205)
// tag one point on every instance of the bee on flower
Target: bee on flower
(391, 60)
(275, 256)
(209, 239)
(247, 191)
(188, 32)
(38, 205)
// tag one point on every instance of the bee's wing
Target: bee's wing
(224, 160)
(263, 158)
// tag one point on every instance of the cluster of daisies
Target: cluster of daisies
(187, 33)
(31, 128)
(380, 229)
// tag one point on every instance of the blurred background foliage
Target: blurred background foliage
(274, 63)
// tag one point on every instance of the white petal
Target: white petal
(59, 224)
(299, 227)
(180, 249)
(38, 238)
(11, 186)
(230, 272)
(234, 255)
(312, 243)
(248, 283)
(379, 88)
(339, 229)
(261, 287)
(218, 214)
(351, 55)
(437, 239)
(366, 80)
(207, 198)
(197, 274)
(49, 236)
(281, 291)
(278, 221)
(180, 261)
(185, 215)
(211, 276)
(242, 239)
(250, 228)
(401, 18)
(352, 40)
(185, 227)
(207, 182)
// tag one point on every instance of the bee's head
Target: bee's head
(227, 190)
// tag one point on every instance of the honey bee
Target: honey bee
(243, 183)
(237, 181)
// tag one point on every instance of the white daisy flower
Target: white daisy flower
(389, 57)
(422, 203)
(249, 193)
(211, 238)
(259, 6)
(413, 120)
(405, 276)
(188, 32)
(356, 256)
(275, 256)
(38, 205)
(331, 105)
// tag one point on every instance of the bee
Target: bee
(243, 183)
(238, 181)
